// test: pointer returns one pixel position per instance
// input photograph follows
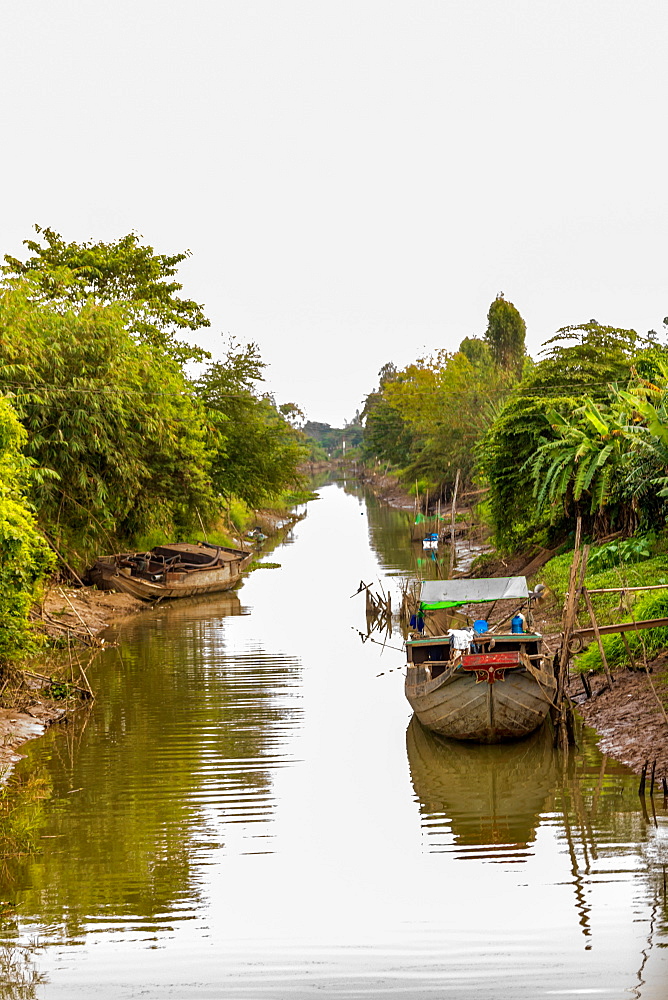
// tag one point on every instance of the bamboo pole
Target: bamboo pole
(622, 590)
(632, 659)
(453, 560)
(592, 616)
(588, 633)
(85, 624)
(568, 617)
(64, 561)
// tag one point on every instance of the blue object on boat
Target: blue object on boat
(517, 624)
(480, 626)
(431, 537)
(417, 622)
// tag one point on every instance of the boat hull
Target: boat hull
(460, 706)
(178, 584)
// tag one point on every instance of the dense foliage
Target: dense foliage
(505, 335)
(582, 432)
(122, 440)
(110, 419)
(69, 274)
(257, 450)
(427, 418)
(25, 558)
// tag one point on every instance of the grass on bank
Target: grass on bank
(617, 607)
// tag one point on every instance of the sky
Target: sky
(356, 181)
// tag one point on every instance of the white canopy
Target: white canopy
(450, 593)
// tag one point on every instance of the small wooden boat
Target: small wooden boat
(177, 569)
(500, 689)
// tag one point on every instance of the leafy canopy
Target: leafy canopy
(113, 419)
(121, 271)
(505, 335)
(579, 363)
(256, 449)
(25, 558)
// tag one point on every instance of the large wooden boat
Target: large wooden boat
(177, 569)
(500, 689)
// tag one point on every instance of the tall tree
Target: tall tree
(113, 419)
(580, 362)
(256, 451)
(505, 334)
(121, 271)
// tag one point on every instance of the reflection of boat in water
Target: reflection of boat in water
(479, 796)
(501, 690)
(177, 569)
(189, 609)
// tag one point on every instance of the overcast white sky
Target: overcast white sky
(356, 180)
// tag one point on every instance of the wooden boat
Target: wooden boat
(502, 689)
(177, 569)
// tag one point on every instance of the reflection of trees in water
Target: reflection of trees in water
(19, 978)
(389, 537)
(182, 741)
(487, 803)
(22, 819)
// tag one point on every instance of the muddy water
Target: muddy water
(248, 812)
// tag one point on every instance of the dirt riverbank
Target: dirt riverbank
(629, 721)
(388, 489)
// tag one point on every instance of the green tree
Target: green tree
(387, 436)
(121, 271)
(25, 558)
(477, 351)
(580, 362)
(256, 451)
(113, 417)
(505, 335)
(447, 402)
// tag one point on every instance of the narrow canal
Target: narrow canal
(248, 812)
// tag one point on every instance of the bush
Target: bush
(629, 550)
(25, 557)
(646, 643)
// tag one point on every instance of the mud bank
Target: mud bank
(17, 727)
(387, 488)
(630, 724)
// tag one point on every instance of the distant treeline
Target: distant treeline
(333, 442)
(107, 437)
(581, 430)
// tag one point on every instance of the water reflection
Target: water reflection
(179, 747)
(481, 802)
(390, 539)
(238, 816)
(489, 803)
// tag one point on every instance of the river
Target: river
(248, 812)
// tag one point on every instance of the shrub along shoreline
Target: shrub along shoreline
(116, 432)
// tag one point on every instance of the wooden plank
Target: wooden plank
(567, 622)
(597, 633)
(623, 590)
(588, 633)
(473, 660)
